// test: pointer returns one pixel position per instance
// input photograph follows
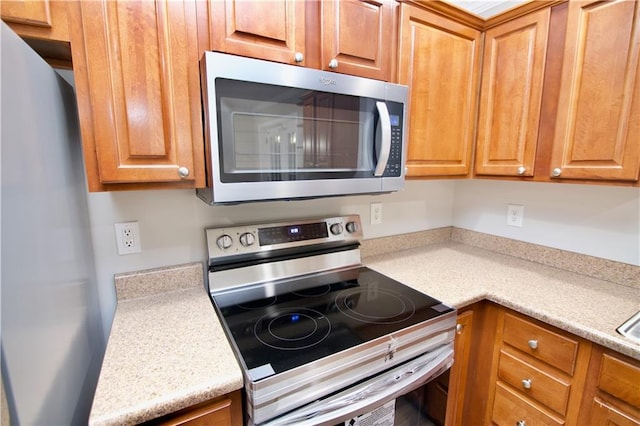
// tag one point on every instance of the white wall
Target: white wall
(602, 221)
(172, 223)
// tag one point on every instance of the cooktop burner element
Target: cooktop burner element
(366, 307)
(292, 329)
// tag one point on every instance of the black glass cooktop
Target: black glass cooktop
(283, 332)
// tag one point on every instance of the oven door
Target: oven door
(281, 131)
(375, 393)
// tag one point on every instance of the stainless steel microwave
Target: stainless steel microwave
(280, 132)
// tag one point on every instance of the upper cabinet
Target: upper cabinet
(137, 82)
(273, 30)
(43, 24)
(511, 95)
(351, 37)
(439, 59)
(597, 131)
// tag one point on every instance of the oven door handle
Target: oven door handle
(385, 136)
(373, 393)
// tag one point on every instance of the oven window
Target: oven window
(268, 133)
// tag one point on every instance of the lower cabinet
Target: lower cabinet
(521, 371)
(612, 392)
(222, 411)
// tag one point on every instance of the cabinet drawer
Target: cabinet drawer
(533, 382)
(509, 408)
(620, 379)
(545, 345)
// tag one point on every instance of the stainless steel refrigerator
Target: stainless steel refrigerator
(51, 339)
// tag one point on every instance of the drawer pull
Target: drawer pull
(459, 328)
(526, 383)
(521, 423)
(533, 344)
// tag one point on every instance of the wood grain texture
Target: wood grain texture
(223, 411)
(360, 35)
(545, 387)
(43, 25)
(28, 12)
(511, 95)
(554, 349)
(439, 61)
(459, 370)
(271, 30)
(597, 134)
(137, 80)
(509, 408)
(611, 390)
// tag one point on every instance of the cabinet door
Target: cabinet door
(271, 30)
(604, 414)
(37, 13)
(458, 373)
(511, 95)
(137, 82)
(439, 61)
(598, 121)
(360, 37)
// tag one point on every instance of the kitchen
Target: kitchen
(577, 218)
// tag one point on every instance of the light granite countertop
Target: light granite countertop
(167, 349)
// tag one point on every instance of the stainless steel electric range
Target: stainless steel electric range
(320, 337)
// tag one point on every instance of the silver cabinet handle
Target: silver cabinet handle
(385, 146)
(521, 423)
(333, 64)
(533, 344)
(183, 172)
(298, 57)
(521, 170)
(459, 328)
(526, 383)
(556, 172)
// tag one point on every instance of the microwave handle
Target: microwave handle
(385, 146)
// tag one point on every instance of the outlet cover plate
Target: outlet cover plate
(128, 237)
(515, 215)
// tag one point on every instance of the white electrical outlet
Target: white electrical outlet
(376, 213)
(515, 215)
(128, 237)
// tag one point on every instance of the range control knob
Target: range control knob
(247, 239)
(224, 241)
(352, 227)
(336, 229)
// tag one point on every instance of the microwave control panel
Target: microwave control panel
(394, 165)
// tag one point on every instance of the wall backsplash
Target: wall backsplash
(602, 221)
(172, 223)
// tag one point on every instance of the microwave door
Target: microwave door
(383, 138)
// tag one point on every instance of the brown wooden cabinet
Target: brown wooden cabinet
(511, 95)
(458, 373)
(533, 373)
(43, 24)
(597, 129)
(439, 59)
(612, 392)
(222, 411)
(138, 89)
(347, 36)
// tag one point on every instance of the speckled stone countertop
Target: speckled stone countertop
(167, 349)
